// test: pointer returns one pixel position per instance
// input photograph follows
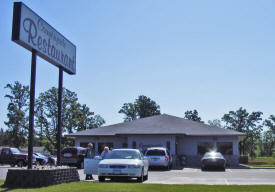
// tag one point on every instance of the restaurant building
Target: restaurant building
(182, 137)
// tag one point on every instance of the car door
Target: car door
(145, 163)
(91, 165)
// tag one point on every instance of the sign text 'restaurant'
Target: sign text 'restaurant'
(32, 32)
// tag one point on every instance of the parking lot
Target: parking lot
(229, 177)
(196, 176)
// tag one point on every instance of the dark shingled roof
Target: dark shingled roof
(159, 125)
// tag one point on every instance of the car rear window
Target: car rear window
(213, 155)
(155, 152)
(69, 150)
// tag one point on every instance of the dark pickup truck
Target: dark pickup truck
(13, 156)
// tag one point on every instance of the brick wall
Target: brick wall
(40, 178)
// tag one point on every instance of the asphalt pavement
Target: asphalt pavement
(196, 176)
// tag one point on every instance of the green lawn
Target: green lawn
(262, 162)
(131, 187)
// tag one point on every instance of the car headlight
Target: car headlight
(134, 166)
(103, 166)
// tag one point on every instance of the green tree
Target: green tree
(142, 107)
(75, 117)
(216, 123)
(18, 108)
(88, 119)
(193, 116)
(129, 109)
(244, 122)
(270, 123)
(268, 142)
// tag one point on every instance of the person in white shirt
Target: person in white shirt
(105, 152)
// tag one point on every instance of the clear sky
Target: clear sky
(213, 56)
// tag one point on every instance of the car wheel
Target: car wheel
(101, 179)
(88, 177)
(145, 178)
(20, 163)
(12, 164)
(141, 178)
(202, 168)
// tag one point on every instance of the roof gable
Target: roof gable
(159, 124)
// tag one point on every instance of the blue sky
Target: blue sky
(213, 56)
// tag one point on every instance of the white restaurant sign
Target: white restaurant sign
(32, 32)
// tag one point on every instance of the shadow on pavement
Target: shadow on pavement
(116, 180)
(228, 167)
(162, 169)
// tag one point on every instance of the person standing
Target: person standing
(105, 152)
(90, 153)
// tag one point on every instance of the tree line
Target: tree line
(251, 124)
(77, 117)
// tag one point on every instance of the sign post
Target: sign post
(31, 110)
(59, 120)
(33, 33)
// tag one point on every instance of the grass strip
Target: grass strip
(262, 162)
(136, 187)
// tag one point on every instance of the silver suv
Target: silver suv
(159, 157)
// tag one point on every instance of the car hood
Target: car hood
(120, 161)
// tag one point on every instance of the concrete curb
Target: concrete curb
(249, 167)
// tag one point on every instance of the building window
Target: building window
(124, 145)
(168, 145)
(204, 147)
(84, 144)
(134, 145)
(226, 148)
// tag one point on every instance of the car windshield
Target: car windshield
(117, 154)
(155, 152)
(213, 155)
(15, 150)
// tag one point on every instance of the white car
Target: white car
(119, 163)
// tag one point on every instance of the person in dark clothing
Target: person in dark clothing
(90, 153)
